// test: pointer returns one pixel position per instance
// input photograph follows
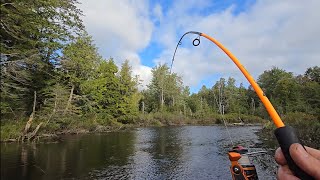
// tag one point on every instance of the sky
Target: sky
(261, 34)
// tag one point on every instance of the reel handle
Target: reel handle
(286, 136)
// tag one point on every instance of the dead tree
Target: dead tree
(69, 100)
(28, 125)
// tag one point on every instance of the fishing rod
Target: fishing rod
(285, 135)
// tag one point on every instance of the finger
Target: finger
(305, 161)
(279, 157)
(285, 173)
(314, 152)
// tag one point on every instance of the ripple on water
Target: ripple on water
(187, 152)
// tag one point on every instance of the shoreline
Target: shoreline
(49, 137)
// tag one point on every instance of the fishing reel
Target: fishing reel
(241, 167)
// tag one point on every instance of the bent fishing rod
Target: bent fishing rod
(285, 135)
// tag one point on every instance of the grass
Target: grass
(11, 129)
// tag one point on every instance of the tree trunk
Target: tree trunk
(162, 98)
(34, 133)
(253, 106)
(172, 101)
(69, 100)
(222, 110)
(28, 125)
(54, 109)
(216, 100)
(221, 99)
(142, 107)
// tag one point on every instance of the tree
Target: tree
(270, 82)
(103, 89)
(32, 33)
(269, 79)
(185, 95)
(167, 88)
(130, 97)
(219, 94)
(157, 86)
(232, 96)
(313, 74)
(80, 60)
(287, 93)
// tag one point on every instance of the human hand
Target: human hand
(308, 160)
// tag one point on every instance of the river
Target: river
(184, 152)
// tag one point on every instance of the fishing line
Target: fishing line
(196, 42)
(285, 135)
(225, 125)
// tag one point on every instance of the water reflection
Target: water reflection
(166, 152)
(74, 157)
(194, 152)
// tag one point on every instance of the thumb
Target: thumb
(305, 161)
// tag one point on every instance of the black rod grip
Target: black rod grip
(286, 136)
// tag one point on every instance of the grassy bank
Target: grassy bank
(208, 119)
(12, 130)
(307, 128)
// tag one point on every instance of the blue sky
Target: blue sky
(154, 49)
(262, 34)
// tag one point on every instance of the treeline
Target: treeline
(287, 92)
(52, 79)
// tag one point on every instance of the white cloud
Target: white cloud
(120, 29)
(270, 33)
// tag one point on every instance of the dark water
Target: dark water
(189, 152)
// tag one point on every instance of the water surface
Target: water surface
(186, 152)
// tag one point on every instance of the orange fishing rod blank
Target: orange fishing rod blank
(272, 112)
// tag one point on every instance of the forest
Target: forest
(54, 80)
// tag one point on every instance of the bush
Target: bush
(307, 127)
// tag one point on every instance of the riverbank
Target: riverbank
(307, 128)
(12, 131)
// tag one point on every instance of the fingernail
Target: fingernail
(301, 150)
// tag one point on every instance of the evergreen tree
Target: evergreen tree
(32, 33)
(130, 97)
(103, 89)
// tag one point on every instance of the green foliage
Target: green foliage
(165, 90)
(32, 33)
(103, 89)
(80, 59)
(307, 127)
(292, 94)
(45, 49)
(313, 74)
(129, 95)
(269, 79)
(11, 129)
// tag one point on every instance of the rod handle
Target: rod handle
(286, 136)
